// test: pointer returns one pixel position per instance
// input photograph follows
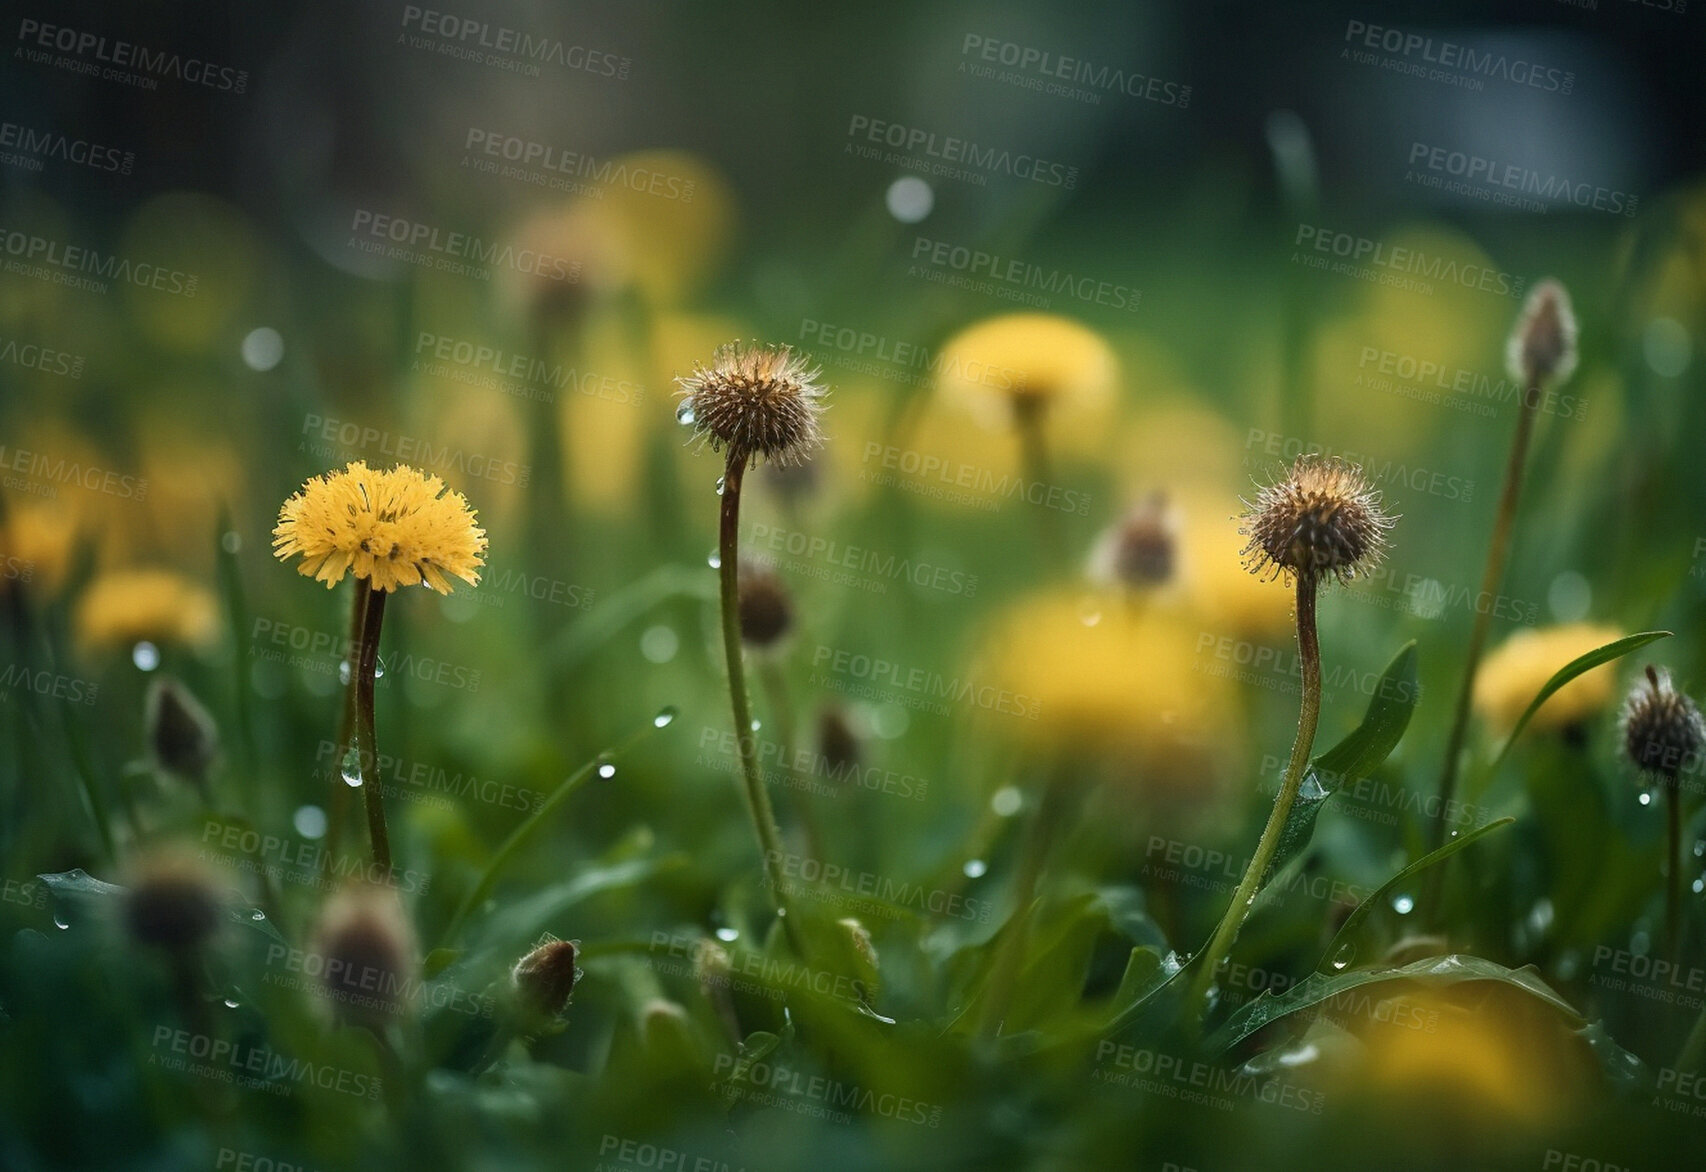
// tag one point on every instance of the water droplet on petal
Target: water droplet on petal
(664, 717)
(145, 656)
(975, 868)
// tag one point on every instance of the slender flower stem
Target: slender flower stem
(372, 789)
(775, 687)
(1673, 883)
(1498, 550)
(1309, 652)
(757, 797)
(339, 804)
(1028, 412)
(1688, 1059)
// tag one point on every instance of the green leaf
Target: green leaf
(1353, 758)
(1346, 935)
(517, 923)
(1616, 649)
(1433, 970)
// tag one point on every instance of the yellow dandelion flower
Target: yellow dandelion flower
(1007, 366)
(1098, 676)
(394, 528)
(125, 607)
(1513, 674)
(36, 542)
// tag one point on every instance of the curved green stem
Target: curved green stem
(338, 806)
(1309, 712)
(757, 797)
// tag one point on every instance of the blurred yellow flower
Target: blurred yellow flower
(1019, 362)
(1212, 573)
(1505, 1061)
(36, 543)
(125, 607)
(393, 528)
(1096, 675)
(1513, 674)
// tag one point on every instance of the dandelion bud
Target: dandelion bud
(766, 611)
(857, 939)
(544, 979)
(1138, 552)
(1542, 345)
(367, 953)
(755, 401)
(182, 737)
(1322, 520)
(837, 741)
(174, 905)
(711, 964)
(1663, 733)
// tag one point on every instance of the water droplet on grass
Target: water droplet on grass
(728, 935)
(1343, 957)
(975, 868)
(606, 770)
(145, 656)
(1403, 904)
(665, 717)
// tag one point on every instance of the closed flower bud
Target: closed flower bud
(544, 979)
(836, 741)
(174, 904)
(1138, 552)
(367, 955)
(1542, 346)
(1663, 733)
(766, 610)
(863, 952)
(182, 737)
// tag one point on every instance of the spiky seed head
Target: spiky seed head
(174, 904)
(182, 737)
(1663, 733)
(766, 608)
(1322, 520)
(1138, 552)
(1542, 345)
(368, 955)
(755, 401)
(544, 979)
